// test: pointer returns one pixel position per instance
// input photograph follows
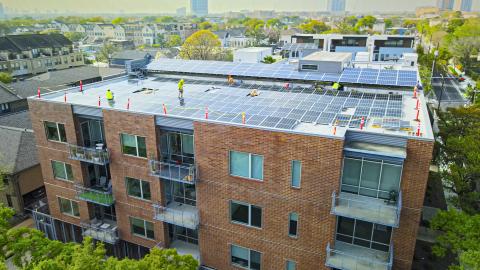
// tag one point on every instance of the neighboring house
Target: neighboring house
(119, 59)
(298, 50)
(9, 101)
(19, 165)
(251, 54)
(36, 53)
(104, 31)
(386, 48)
(119, 32)
(234, 38)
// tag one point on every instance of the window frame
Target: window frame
(249, 224)
(290, 262)
(379, 182)
(145, 235)
(370, 241)
(289, 222)
(64, 170)
(136, 145)
(141, 189)
(249, 165)
(249, 257)
(58, 131)
(292, 175)
(71, 207)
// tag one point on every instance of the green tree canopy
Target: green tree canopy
(165, 19)
(202, 45)
(119, 20)
(74, 36)
(255, 29)
(5, 77)
(314, 27)
(173, 41)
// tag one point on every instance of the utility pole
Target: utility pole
(435, 55)
(441, 92)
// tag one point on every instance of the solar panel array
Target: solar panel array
(277, 108)
(299, 46)
(386, 77)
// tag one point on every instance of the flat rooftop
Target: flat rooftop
(254, 49)
(301, 109)
(328, 56)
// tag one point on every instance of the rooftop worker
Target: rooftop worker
(253, 93)
(230, 80)
(109, 95)
(336, 86)
(180, 88)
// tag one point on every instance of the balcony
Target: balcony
(178, 214)
(98, 195)
(185, 173)
(184, 248)
(102, 230)
(374, 210)
(97, 155)
(351, 257)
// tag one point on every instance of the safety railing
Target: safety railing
(351, 257)
(102, 231)
(186, 217)
(375, 210)
(185, 173)
(96, 195)
(91, 155)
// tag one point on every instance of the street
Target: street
(452, 92)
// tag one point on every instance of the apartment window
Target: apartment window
(247, 214)
(309, 67)
(296, 173)
(291, 265)
(246, 165)
(133, 145)
(142, 228)
(68, 207)
(4, 107)
(138, 188)
(362, 233)
(293, 224)
(62, 170)
(55, 132)
(246, 258)
(373, 178)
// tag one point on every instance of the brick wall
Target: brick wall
(413, 186)
(321, 167)
(41, 111)
(122, 166)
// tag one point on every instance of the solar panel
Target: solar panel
(407, 78)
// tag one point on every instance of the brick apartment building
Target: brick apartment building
(298, 177)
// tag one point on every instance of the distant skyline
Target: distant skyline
(215, 6)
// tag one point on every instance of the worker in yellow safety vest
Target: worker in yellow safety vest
(109, 95)
(180, 88)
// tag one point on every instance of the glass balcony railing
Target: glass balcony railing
(185, 173)
(102, 230)
(98, 195)
(91, 155)
(375, 210)
(346, 256)
(178, 214)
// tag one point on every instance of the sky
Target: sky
(169, 6)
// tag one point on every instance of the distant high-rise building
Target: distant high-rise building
(445, 4)
(182, 12)
(199, 7)
(336, 5)
(2, 12)
(463, 5)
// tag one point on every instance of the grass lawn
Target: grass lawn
(97, 197)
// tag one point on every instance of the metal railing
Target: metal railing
(95, 230)
(345, 260)
(91, 155)
(181, 173)
(185, 218)
(95, 195)
(375, 210)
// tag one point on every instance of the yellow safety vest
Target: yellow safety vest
(109, 95)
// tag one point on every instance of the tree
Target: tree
(119, 20)
(463, 49)
(74, 36)
(106, 53)
(366, 22)
(268, 60)
(202, 45)
(255, 29)
(461, 236)
(97, 19)
(31, 250)
(459, 155)
(388, 23)
(314, 27)
(5, 77)
(165, 19)
(173, 41)
(205, 25)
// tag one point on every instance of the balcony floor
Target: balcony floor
(96, 197)
(365, 208)
(182, 215)
(184, 248)
(355, 262)
(104, 235)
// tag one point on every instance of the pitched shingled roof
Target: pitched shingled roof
(16, 43)
(17, 149)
